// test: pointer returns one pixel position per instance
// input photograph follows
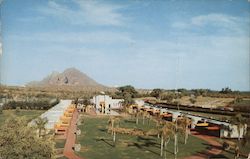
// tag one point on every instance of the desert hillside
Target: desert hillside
(69, 77)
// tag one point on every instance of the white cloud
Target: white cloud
(222, 22)
(87, 12)
(216, 19)
(101, 14)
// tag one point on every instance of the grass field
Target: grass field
(97, 143)
(29, 114)
(244, 103)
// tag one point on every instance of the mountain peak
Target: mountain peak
(71, 69)
(69, 77)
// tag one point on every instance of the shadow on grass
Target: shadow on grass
(210, 155)
(148, 141)
(142, 147)
(145, 145)
(129, 121)
(220, 156)
(107, 141)
(103, 129)
(209, 146)
(205, 154)
(229, 151)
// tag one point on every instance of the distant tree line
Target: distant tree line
(223, 93)
(35, 105)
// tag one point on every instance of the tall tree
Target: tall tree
(156, 93)
(114, 123)
(166, 133)
(176, 130)
(127, 93)
(184, 123)
(226, 90)
(17, 140)
(239, 121)
(127, 90)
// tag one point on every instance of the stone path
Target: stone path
(71, 138)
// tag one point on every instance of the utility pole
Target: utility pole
(178, 102)
(177, 80)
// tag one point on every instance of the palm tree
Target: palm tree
(184, 123)
(166, 133)
(114, 136)
(138, 114)
(149, 117)
(112, 120)
(176, 130)
(159, 125)
(239, 121)
(40, 124)
(144, 115)
(111, 123)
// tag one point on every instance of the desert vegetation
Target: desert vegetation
(18, 140)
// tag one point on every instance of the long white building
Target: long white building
(53, 114)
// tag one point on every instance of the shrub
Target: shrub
(192, 100)
(35, 104)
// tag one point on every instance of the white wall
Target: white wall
(109, 102)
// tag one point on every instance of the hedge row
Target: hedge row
(35, 105)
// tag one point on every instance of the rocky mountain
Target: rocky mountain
(69, 77)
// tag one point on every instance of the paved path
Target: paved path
(71, 138)
(214, 147)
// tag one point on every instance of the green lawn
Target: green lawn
(97, 143)
(29, 114)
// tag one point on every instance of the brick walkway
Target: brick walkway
(71, 138)
(214, 147)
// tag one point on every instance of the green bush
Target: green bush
(33, 105)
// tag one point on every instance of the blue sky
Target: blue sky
(148, 44)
